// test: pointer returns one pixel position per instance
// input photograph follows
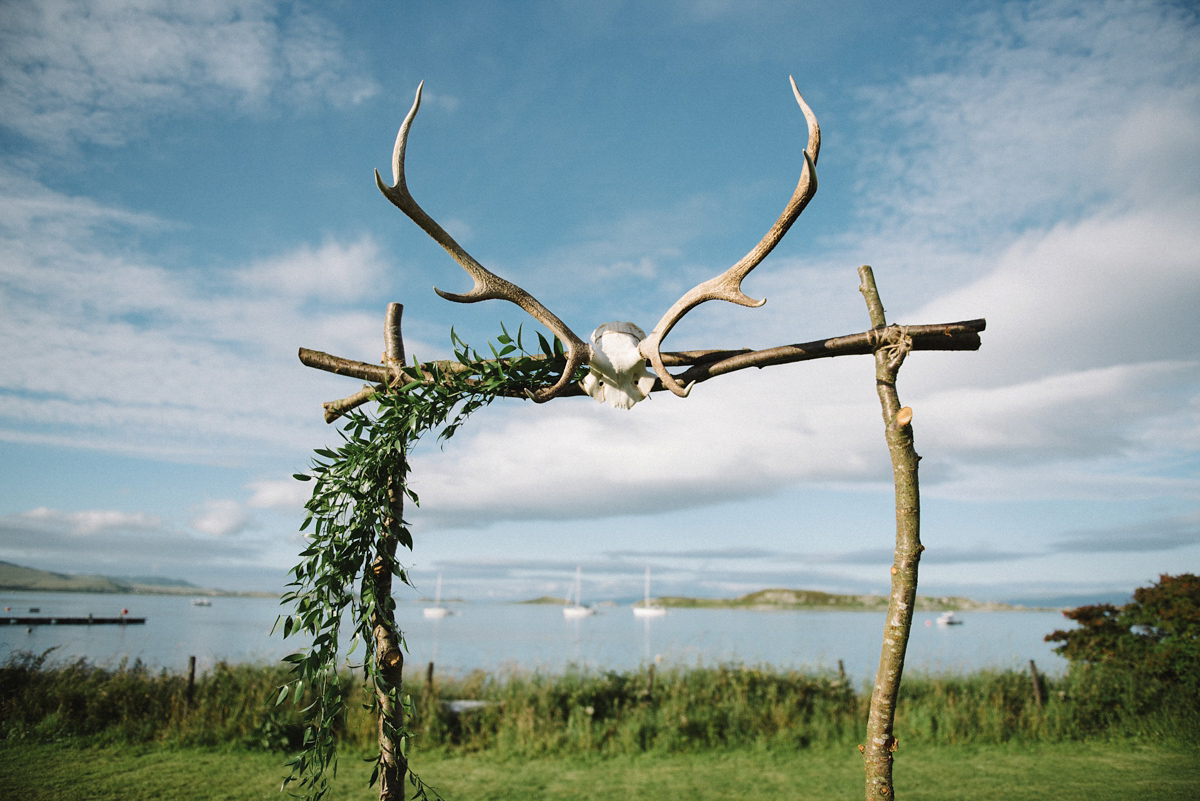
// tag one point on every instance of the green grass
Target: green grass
(1112, 771)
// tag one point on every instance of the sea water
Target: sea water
(501, 637)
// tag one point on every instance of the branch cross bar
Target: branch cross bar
(702, 364)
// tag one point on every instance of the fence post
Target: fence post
(191, 682)
(1038, 689)
(649, 691)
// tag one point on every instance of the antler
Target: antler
(488, 285)
(728, 285)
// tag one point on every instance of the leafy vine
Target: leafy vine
(352, 509)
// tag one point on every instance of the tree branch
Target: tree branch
(389, 659)
(891, 346)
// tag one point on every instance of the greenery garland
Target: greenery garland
(347, 516)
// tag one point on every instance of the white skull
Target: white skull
(618, 374)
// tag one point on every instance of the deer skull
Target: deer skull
(618, 374)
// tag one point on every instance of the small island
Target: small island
(783, 599)
(775, 599)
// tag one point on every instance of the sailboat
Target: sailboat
(646, 610)
(574, 611)
(437, 610)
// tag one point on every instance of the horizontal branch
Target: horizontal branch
(946, 336)
(701, 364)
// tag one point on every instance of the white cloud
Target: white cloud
(331, 272)
(120, 543)
(221, 518)
(96, 71)
(1071, 415)
(1049, 110)
(119, 353)
(1167, 534)
(1107, 290)
(90, 522)
(289, 494)
(748, 435)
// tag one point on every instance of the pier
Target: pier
(123, 620)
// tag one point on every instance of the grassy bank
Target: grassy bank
(581, 713)
(1064, 772)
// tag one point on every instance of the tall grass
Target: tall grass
(581, 711)
(676, 710)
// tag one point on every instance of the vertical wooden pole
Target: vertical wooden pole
(1038, 690)
(389, 659)
(889, 355)
(191, 683)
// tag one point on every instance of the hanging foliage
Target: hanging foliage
(353, 508)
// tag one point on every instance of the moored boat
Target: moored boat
(647, 609)
(576, 610)
(437, 610)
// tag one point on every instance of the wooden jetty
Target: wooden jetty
(123, 620)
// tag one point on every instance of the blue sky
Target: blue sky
(186, 197)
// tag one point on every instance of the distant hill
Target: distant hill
(545, 599)
(15, 577)
(814, 599)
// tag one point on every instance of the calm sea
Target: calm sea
(500, 637)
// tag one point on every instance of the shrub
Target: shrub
(1135, 669)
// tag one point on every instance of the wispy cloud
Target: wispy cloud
(120, 543)
(79, 72)
(288, 494)
(1040, 111)
(119, 353)
(1166, 534)
(736, 439)
(223, 518)
(88, 523)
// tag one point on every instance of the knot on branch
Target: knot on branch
(398, 376)
(895, 343)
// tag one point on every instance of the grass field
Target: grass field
(731, 732)
(1060, 771)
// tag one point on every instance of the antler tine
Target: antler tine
(728, 285)
(488, 285)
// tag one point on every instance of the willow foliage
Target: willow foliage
(347, 517)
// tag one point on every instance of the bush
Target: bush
(1135, 669)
